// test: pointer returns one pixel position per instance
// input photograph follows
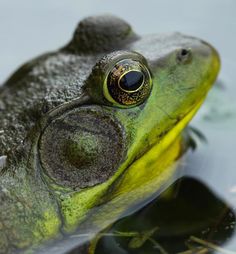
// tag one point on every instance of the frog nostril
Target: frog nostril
(184, 52)
(184, 55)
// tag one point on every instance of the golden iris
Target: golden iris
(128, 83)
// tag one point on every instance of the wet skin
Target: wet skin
(92, 130)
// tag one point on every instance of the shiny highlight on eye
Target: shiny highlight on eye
(128, 83)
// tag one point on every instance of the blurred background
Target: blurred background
(29, 28)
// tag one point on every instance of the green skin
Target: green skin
(58, 124)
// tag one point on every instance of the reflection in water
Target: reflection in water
(187, 218)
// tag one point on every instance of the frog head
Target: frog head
(93, 129)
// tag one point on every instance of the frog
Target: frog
(95, 130)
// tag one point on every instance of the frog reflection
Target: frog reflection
(186, 218)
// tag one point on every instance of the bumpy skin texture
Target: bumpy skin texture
(42, 106)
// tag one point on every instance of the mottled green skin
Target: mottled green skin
(34, 207)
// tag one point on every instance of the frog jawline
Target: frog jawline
(170, 137)
(133, 175)
(133, 188)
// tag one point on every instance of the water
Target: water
(173, 223)
(28, 29)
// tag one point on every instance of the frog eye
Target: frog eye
(127, 83)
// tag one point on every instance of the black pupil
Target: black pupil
(131, 81)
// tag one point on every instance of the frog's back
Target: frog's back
(55, 78)
(36, 88)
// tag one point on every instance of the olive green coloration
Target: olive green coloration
(93, 130)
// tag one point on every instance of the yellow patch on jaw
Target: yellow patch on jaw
(154, 163)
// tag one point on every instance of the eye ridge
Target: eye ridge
(137, 84)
